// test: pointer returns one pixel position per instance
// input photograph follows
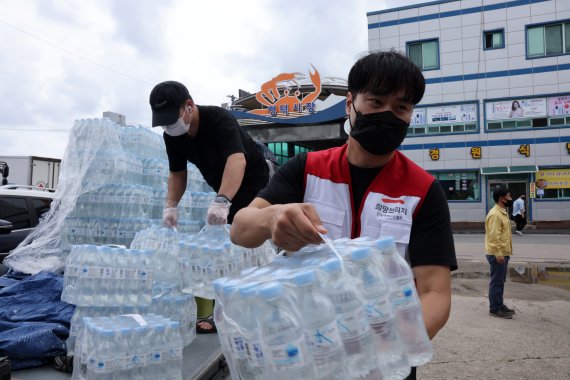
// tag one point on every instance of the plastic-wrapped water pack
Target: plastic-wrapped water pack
(343, 311)
(113, 184)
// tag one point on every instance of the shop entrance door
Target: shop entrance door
(517, 188)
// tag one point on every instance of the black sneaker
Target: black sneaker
(501, 314)
(507, 309)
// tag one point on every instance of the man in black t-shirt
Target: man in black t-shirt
(227, 157)
(210, 138)
(366, 187)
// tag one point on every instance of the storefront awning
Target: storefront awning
(509, 169)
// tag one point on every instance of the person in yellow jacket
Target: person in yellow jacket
(499, 248)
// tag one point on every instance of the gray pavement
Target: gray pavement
(535, 344)
(527, 248)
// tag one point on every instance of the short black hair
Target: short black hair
(387, 72)
(500, 191)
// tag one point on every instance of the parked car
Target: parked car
(21, 208)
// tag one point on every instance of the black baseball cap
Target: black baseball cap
(165, 100)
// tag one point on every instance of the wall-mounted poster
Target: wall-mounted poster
(458, 113)
(559, 105)
(515, 109)
(418, 117)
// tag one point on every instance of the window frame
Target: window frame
(435, 105)
(31, 220)
(546, 200)
(543, 25)
(436, 40)
(502, 31)
(478, 180)
(548, 118)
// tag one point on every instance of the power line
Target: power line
(74, 54)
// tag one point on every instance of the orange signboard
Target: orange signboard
(283, 95)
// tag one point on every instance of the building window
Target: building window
(494, 39)
(546, 40)
(528, 113)
(284, 151)
(444, 119)
(425, 54)
(460, 186)
(562, 194)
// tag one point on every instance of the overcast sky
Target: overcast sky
(64, 60)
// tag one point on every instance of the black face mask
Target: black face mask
(378, 133)
(508, 203)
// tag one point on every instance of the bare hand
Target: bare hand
(295, 225)
(500, 259)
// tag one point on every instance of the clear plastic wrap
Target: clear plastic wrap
(99, 152)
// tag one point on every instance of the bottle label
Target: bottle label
(105, 365)
(285, 357)
(323, 340)
(74, 330)
(255, 353)
(156, 357)
(183, 267)
(404, 298)
(120, 274)
(378, 310)
(352, 324)
(175, 353)
(238, 347)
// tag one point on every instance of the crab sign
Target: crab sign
(278, 97)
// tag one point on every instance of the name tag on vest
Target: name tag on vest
(387, 216)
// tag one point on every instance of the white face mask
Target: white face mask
(177, 129)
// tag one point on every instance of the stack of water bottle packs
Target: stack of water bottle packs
(108, 276)
(124, 185)
(106, 281)
(200, 258)
(346, 310)
(130, 346)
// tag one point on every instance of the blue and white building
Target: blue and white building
(497, 102)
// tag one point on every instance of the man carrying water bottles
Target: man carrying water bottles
(365, 187)
(227, 157)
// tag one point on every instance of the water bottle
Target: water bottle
(321, 330)
(231, 328)
(381, 317)
(175, 348)
(104, 355)
(106, 281)
(283, 336)
(355, 331)
(407, 304)
(246, 318)
(87, 278)
(218, 286)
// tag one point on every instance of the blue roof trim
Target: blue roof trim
(466, 11)
(497, 74)
(471, 144)
(338, 111)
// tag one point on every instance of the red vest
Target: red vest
(388, 206)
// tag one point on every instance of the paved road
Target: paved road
(535, 344)
(528, 248)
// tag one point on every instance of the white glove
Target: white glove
(170, 217)
(218, 211)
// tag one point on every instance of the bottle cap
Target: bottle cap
(248, 290)
(271, 290)
(385, 243)
(332, 265)
(305, 277)
(360, 253)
